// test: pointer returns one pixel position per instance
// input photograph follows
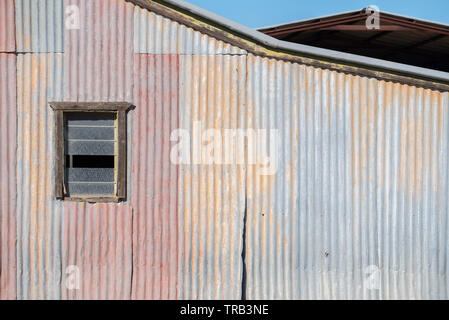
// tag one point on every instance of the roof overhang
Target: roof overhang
(405, 20)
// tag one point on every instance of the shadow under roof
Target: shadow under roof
(399, 38)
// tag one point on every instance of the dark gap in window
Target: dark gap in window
(92, 161)
(67, 161)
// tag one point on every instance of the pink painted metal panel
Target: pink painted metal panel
(7, 176)
(154, 177)
(97, 251)
(98, 57)
(98, 62)
(7, 30)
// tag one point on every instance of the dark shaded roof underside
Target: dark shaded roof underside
(399, 39)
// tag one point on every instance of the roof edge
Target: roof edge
(295, 48)
(405, 17)
(288, 23)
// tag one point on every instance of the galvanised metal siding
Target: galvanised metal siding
(361, 188)
(361, 180)
(154, 34)
(155, 178)
(7, 176)
(97, 239)
(39, 216)
(211, 197)
(7, 32)
(98, 58)
(96, 66)
(39, 25)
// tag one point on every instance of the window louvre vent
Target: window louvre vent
(90, 144)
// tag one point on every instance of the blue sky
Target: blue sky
(258, 13)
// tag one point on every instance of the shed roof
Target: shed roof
(286, 49)
(399, 38)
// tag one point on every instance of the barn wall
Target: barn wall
(96, 65)
(210, 211)
(358, 207)
(358, 195)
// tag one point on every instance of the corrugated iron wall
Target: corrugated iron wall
(212, 197)
(7, 34)
(39, 251)
(98, 57)
(7, 152)
(154, 177)
(39, 26)
(361, 190)
(97, 241)
(7, 176)
(97, 65)
(154, 34)
(359, 194)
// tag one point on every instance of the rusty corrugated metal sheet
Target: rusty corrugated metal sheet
(7, 32)
(211, 197)
(39, 26)
(7, 176)
(155, 178)
(361, 189)
(154, 34)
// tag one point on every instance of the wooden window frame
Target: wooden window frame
(120, 108)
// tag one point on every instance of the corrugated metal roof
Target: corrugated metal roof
(353, 12)
(396, 38)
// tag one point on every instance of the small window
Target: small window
(90, 146)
